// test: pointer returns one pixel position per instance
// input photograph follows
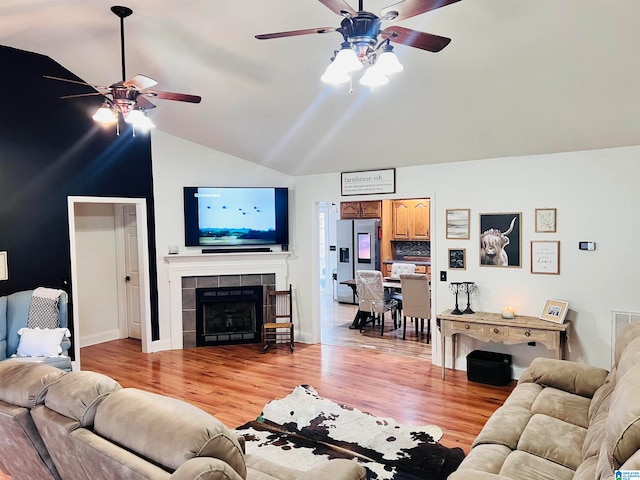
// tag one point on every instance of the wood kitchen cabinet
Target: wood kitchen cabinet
(410, 219)
(363, 209)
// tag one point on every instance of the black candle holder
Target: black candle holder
(456, 287)
(468, 287)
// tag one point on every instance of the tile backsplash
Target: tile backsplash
(417, 249)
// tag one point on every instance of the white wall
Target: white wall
(96, 276)
(595, 193)
(178, 163)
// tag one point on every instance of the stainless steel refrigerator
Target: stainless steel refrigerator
(358, 248)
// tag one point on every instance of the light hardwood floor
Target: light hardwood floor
(377, 375)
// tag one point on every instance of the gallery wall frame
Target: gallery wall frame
(501, 239)
(457, 258)
(458, 223)
(4, 270)
(554, 311)
(545, 257)
(545, 220)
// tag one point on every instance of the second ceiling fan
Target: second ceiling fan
(363, 34)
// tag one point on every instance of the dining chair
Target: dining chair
(397, 269)
(416, 301)
(372, 298)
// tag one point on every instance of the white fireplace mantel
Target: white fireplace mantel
(204, 264)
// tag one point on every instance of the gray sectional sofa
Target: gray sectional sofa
(564, 421)
(84, 426)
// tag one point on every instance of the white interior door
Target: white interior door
(132, 272)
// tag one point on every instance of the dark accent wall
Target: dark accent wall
(50, 148)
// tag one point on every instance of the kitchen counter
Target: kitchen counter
(415, 262)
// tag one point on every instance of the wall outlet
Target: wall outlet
(443, 275)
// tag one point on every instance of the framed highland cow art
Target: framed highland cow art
(500, 240)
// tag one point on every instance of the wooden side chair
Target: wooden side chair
(278, 327)
(416, 301)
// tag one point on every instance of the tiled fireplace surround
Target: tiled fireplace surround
(189, 285)
(190, 271)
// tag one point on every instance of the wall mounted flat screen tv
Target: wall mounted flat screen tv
(236, 216)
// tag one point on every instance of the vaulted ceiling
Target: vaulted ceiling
(519, 77)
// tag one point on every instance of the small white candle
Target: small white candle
(507, 312)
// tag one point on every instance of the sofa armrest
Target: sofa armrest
(336, 469)
(572, 377)
(205, 468)
(471, 474)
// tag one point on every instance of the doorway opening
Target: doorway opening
(108, 254)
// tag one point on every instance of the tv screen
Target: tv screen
(235, 216)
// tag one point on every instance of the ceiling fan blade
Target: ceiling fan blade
(144, 103)
(82, 95)
(340, 7)
(413, 38)
(140, 82)
(293, 33)
(76, 82)
(180, 97)
(411, 8)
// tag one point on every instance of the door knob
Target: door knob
(127, 278)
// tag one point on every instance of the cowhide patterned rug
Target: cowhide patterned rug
(304, 429)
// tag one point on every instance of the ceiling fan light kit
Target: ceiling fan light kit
(361, 31)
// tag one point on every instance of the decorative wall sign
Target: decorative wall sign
(457, 260)
(554, 311)
(368, 182)
(545, 220)
(545, 257)
(458, 223)
(500, 239)
(4, 272)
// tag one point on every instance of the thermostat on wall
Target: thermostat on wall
(587, 245)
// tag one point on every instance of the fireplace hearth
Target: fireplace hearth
(229, 315)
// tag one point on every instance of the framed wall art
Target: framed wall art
(545, 220)
(4, 271)
(554, 311)
(545, 257)
(457, 259)
(500, 239)
(458, 223)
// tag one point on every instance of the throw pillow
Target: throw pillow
(43, 313)
(41, 342)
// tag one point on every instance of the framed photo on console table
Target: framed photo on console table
(554, 311)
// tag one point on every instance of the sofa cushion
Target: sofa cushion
(572, 377)
(486, 457)
(623, 424)
(595, 435)
(504, 427)
(524, 395)
(165, 430)
(520, 465)
(601, 399)
(626, 336)
(78, 394)
(553, 439)
(630, 358)
(26, 384)
(568, 407)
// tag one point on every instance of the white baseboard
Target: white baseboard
(101, 337)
